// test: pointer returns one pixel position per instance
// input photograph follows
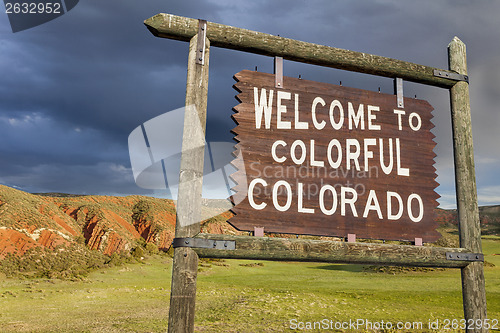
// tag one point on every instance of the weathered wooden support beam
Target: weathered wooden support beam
(224, 36)
(185, 264)
(292, 249)
(473, 288)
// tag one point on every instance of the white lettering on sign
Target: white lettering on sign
(356, 117)
(352, 154)
(336, 105)
(281, 124)
(415, 115)
(414, 126)
(273, 151)
(353, 150)
(251, 187)
(299, 124)
(348, 201)
(288, 192)
(317, 125)
(263, 106)
(372, 117)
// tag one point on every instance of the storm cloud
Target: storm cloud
(73, 89)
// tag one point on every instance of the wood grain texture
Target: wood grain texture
(256, 161)
(290, 249)
(224, 36)
(185, 263)
(473, 287)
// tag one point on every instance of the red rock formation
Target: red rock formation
(64, 225)
(164, 240)
(18, 242)
(94, 236)
(111, 216)
(12, 241)
(115, 243)
(50, 239)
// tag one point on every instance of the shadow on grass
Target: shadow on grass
(341, 267)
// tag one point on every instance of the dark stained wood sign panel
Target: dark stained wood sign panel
(322, 159)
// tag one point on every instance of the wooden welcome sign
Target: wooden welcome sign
(322, 159)
(327, 160)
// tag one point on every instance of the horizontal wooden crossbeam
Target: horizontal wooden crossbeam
(291, 249)
(224, 36)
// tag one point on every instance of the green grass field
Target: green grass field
(241, 296)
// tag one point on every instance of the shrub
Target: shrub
(73, 262)
(80, 240)
(151, 248)
(138, 252)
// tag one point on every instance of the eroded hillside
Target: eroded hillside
(105, 223)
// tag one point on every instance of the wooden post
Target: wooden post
(292, 249)
(473, 289)
(224, 36)
(185, 265)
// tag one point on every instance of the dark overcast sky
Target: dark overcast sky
(73, 89)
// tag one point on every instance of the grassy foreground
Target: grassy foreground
(241, 296)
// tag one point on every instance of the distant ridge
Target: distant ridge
(59, 195)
